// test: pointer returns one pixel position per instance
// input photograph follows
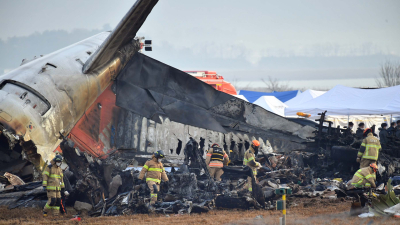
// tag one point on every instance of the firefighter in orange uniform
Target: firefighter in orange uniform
(53, 183)
(216, 158)
(154, 171)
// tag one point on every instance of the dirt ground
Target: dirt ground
(304, 211)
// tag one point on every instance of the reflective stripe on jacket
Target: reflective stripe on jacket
(250, 160)
(53, 177)
(154, 171)
(369, 148)
(364, 177)
(213, 160)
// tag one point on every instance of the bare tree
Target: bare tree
(389, 75)
(273, 84)
(235, 84)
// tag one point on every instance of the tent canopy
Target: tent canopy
(304, 97)
(283, 96)
(272, 104)
(342, 100)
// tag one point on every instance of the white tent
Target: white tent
(342, 100)
(241, 97)
(304, 97)
(272, 104)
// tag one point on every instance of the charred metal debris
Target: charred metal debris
(338, 147)
(110, 186)
(18, 156)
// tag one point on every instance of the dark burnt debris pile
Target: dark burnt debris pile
(338, 149)
(111, 186)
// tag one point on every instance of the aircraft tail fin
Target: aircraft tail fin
(123, 33)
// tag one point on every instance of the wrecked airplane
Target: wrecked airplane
(106, 96)
(110, 107)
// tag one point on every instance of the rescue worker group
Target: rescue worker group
(216, 158)
(367, 156)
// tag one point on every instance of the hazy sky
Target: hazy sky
(308, 43)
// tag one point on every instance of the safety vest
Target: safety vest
(249, 160)
(53, 178)
(216, 157)
(369, 148)
(154, 171)
(217, 154)
(363, 178)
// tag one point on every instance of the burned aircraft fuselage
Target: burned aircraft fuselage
(150, 105)
(50, 94)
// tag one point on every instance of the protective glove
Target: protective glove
(358, 159)
(66, 193)
(44, 188)
(140, 182)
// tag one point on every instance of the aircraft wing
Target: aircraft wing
(122, 34)
(153, 89)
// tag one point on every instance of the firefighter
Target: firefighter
(216, 158)
(154, 171)
(365, 177)
(250, 160)
(53, 183)
(369, 149)
(360, 131)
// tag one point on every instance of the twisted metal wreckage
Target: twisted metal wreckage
(102, 179)
(112, 188)
(110, 100)
(120, 106)
(340, 145)
(106, 96)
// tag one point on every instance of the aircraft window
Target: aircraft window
(28, 97)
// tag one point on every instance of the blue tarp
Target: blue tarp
(283, 96)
